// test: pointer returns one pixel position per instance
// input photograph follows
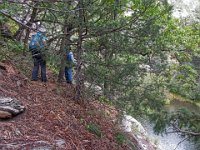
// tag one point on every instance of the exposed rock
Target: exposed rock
(131, 125)
(42, 145)
(5, 114)
(186, 9)
(36, 145)
(19, 83)
(10, 107)
(18, 132)
(60, 143)
(42, 148)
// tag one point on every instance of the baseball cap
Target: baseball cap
(42, 29)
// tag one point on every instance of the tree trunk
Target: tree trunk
(65, 44)
(79, 77)
(33, 16)
(63, 50)
(62, 63)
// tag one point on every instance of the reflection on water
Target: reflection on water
(176, 104)
(170, 141)
(167, 142)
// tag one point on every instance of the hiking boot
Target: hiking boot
(33, 79)
(69, 82)
(44, 80)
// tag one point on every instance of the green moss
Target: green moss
(120, 138)
(94, 128)
(105, 100)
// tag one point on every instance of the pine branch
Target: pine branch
(16, 20)
(189, 133)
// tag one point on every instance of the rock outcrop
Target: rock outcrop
(10, 107)
(135, 128)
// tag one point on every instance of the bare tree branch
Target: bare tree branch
(16, 20)
(178, 130)
(180, 142)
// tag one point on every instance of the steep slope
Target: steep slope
(52, 120)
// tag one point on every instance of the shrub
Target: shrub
(93, 128)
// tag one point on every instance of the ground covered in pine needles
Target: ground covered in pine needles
(53, 119)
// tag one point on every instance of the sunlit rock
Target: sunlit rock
(10, 107)
(130, 124)
(5, 114)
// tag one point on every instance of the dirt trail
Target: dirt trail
(52, 120)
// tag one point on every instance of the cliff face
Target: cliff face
(189, 9)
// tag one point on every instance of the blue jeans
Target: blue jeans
(68, 74)
(39, 63)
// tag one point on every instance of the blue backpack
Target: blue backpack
(36, 41)
(36, 44)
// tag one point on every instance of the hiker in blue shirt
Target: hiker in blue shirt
(70, 62)
(36, 46)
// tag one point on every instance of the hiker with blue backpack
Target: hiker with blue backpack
(37, 46)
(70, 62)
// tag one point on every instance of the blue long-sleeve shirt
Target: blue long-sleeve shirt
(70, 59)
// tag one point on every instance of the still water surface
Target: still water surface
(170, 141)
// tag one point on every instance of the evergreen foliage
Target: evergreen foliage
(133, 51)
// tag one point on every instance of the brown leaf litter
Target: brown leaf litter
(52, 115)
